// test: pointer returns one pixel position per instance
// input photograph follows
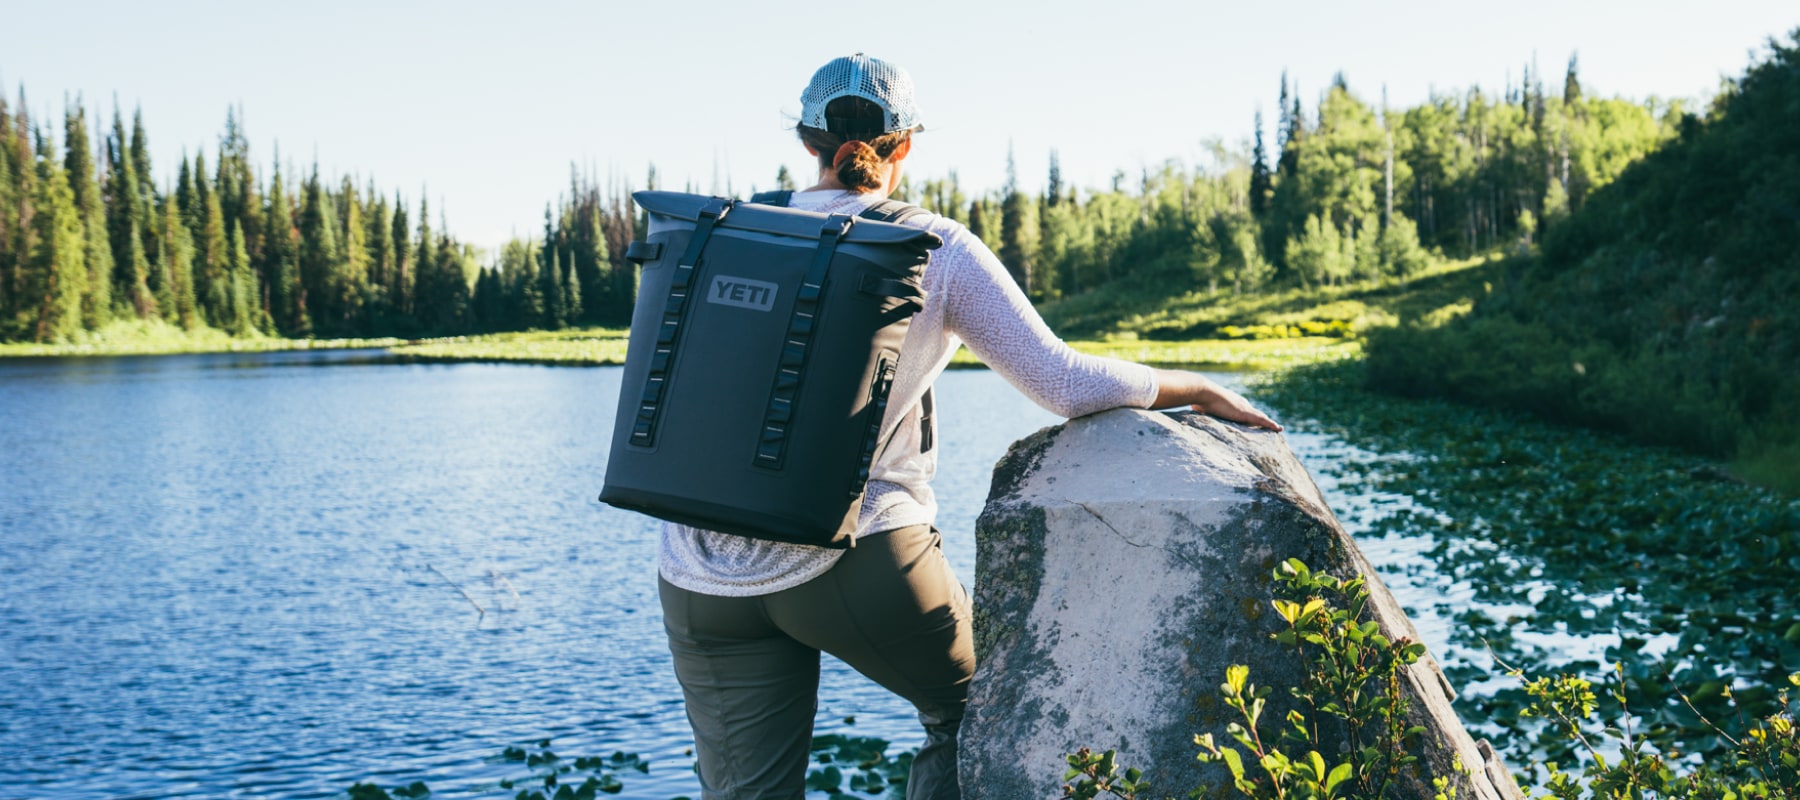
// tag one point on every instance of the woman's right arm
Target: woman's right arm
(986, 309)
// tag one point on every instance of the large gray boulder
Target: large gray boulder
(1123, 563)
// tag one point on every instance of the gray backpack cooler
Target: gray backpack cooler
(763, 346)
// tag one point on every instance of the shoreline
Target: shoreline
(606, 347)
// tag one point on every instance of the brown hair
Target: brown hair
(852, 142)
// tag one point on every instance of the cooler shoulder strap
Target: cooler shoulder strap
(893, 211)
(897, 212)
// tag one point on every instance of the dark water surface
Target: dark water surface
(232, 575)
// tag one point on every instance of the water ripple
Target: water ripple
(227, 579)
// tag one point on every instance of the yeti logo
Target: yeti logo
(742, 292)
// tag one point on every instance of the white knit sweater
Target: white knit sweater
(970, 299)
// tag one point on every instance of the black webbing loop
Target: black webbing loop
(776, 197)
(895, 288)
(640, 252)
(771, 447)
(668, 334)
(891, 211)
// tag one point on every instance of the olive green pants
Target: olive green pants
(749, 666)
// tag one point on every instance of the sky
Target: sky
(485, 107)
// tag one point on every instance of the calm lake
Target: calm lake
(244, 575)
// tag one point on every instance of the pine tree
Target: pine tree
(550, 277)
(554, 313)
(530, 291)
(599, 295)
(162, 276)
(571, 299)
(424, 279)
(1055, 219)
(1014, 252)
(784, 181)
(9, 214)
(978, 221)
(213, 287)
(1572, 83)
(400, 288)
(281, 268)
(1261, 181)
(78, 163)
(131, 265)
(243, 312)
(450, 287)
(20, 241)
(238, 195)
(320, 256)
(149, 200)
(485, 305)
(353, 283)
(1287, 208)
(380, 237)
(58, 268)
(186, 202)
(178, 264)
(140, 159)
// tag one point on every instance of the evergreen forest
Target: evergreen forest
(88, 235)
(91, 231)
(1583, 198)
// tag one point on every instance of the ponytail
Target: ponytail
(858, 165)
(854, 146)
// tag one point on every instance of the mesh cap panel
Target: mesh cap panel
(872, 79)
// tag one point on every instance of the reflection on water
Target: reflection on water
(221, 577)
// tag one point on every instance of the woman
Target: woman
(747, 619)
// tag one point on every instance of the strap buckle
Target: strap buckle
(836, 225)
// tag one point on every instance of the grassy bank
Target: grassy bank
(1148, 310)
(578, 347)
(1211, 330)
(606, 346)
(601, 346)
(155, 337)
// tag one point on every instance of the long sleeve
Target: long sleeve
(985, 308)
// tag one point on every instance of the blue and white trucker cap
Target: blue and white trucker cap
(884, 84)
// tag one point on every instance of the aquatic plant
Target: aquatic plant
(844, 764)
(1351, 676)
(1566, 535)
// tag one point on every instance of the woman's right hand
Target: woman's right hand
(1178, 388)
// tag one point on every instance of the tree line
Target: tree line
(1350, 190)
(1664, 307)
(88, 236)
